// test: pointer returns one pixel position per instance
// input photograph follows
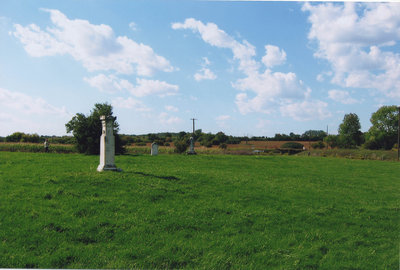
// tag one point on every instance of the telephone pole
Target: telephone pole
(193, 119)
(398, 136)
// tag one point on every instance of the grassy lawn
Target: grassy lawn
(204, 211)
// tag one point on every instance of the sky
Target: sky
(241, 67)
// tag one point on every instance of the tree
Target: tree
(350, 135)
(313, 135)
(87, 130)
(383, 132)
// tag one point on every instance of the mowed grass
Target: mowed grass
(212, 212)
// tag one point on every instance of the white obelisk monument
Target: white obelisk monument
(107, 145)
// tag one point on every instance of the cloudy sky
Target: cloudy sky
(244, 68)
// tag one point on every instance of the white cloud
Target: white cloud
(204, 74)
(171, 108)
(149, 87)
(306, 110)
(107, 84)
(223, 117)
(273, 56)
(144, 87)
(353, 38)
(211, 34)
(264, 91)
(28, 105)
(95, 46)
(133, 26)
(341, 96)
(167, 119)
(24, 113)
(130, 103)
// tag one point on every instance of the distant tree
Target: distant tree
(15, 137)
(350, 135)
(383, 132)
(331, 140)
(313, 135)
(87, 130)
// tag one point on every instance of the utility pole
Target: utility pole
(398, 136)
(193, 119)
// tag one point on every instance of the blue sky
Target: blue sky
(244, 68)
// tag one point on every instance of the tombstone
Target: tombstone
(107, 145)
(191, 147)
(154, 149)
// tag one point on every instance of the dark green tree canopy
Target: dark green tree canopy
(349, 131)
(383, 132)
(87, 130)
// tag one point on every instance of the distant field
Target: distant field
(213, 212)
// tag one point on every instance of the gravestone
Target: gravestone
(191, 147)
(107, 145)
(154, 149)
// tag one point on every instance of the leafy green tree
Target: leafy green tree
(383, 132)
(313, 135)
(350, 135)
(331, 140)
(87, 130)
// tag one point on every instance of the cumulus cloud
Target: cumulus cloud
(167, 119)
(143, 87)
(205, 73)
(146, 87)
(306, 110)
(262, 91)
(171, 108)
(130, 103)
(29, 105)
(273, 56)
(353, 38)
(95, 46)
(341, 96)
(211, 34)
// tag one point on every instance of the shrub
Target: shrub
(181, 146)
(318, 145)
(223, 146)
(292, 145)
(140, 144)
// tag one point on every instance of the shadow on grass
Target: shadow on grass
(169, 178)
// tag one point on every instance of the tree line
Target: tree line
(86, 132)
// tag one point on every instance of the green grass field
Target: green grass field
(204, 211)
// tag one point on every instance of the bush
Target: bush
(318, 145)
(181, 146)
(140, 144)
(223, 146)
(292, 145)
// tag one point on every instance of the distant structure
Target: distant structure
(107, 145)
(191, 146)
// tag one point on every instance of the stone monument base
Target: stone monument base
(191, 153)
(102, 168)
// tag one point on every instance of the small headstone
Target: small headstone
(191, 147)
(154, 149)
(107, 145)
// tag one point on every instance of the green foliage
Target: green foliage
(331, 140)
(292, 145)
(313, 135)
(87, 130)
(223, 146)
(198, 212)
(318, 145)
(181, 145)
(350, 135)
(22, 137)
(383, 132)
